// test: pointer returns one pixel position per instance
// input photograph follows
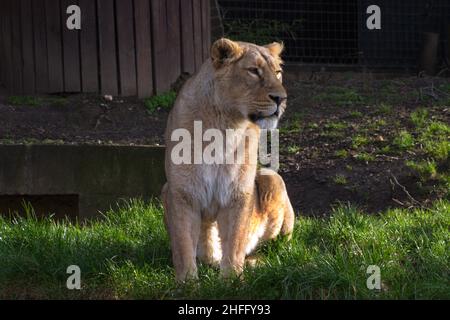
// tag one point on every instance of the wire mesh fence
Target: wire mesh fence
(335, 32)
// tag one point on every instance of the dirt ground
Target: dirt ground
(338, 138)
(81, 119)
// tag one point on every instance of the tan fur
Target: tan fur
(220, 212)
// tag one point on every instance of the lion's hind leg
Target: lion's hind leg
(209, 248)
(274, 203)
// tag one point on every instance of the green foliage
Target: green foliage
(260, 31)
(164, 101)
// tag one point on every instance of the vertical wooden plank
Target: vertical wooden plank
(161, 62)
(40, 47)
(7, 39)
(187, 39)
(54, 46)
(198, 45)
(126, 47)
(88, 46)
(17, 85)
(206, 27)
(174, 39)
(143, 48)
(71, 51)
(27, 47)
(107, 47)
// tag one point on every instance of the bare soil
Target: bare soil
(81, 119)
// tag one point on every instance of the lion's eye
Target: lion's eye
(254, 71)
(279, 74)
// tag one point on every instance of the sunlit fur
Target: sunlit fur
(220, 212)
(273, 215)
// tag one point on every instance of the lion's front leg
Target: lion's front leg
(183, 220)
(234, 223)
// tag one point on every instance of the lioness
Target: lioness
(220, 212)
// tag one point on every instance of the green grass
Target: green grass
(419, 117)
(427, 169)
(332, 135)
(340, 179)
(127, 256)
(439, 149)
(57, 101)
(364, 157)
(404, 141)
(385, 150)
(435, 138)
(293, 149)
(24, 101)
(384, 109)
(377, 124)
(293, 124)
(339, 96)
(312, 126)
(164, 101)
(355, 114)
(432, 145)
(359, 141)
(436, 128)
(335, 126)
(36, 101)
(334, 130)
(342, 153)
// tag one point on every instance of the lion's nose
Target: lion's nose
(277, 99)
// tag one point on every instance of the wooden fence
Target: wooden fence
(124, 47)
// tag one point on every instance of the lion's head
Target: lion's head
(248, 79)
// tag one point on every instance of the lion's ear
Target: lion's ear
(275, 48)
(224, 51)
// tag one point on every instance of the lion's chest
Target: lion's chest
(222, 183)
